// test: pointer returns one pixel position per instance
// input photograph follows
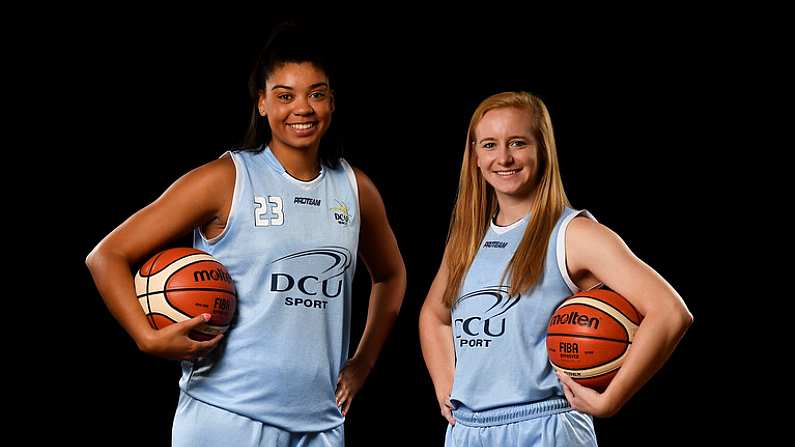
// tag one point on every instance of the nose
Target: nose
(504, 155)
(303, 107)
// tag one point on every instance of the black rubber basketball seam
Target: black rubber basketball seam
(592, 377)
(149, 275)
(165, 295)
(627, 343)
(181, 257)
(599, 375)
(591, 337)
(595, 366)
(188, 265)
(619, 310)
(164, 316)
(172, 320)
(600, 310)
(207, 289)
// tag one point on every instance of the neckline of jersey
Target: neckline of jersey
(502, 230)
(274, 162)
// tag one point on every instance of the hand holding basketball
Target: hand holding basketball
(181, 283)
(589, 336)
(173, 343)
(189, 298)
(585, 399)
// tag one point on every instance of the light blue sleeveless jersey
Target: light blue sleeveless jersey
(290, 247)
(500, 343)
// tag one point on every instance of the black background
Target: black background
(639, 111)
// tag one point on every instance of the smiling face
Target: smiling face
(298, 102)
(507, 151)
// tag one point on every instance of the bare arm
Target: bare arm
(597, 249)
(436, 339)
(380, 253)
(192, 200)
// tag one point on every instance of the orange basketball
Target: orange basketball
(589, 336)
(178, 284)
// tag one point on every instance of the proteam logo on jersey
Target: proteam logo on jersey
(307, 201)
(341, 213)
(495, 244)
(479, 331)
(311, 290)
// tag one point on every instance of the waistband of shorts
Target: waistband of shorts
(510, 414)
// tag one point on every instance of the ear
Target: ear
(261, 104)
(331, 100)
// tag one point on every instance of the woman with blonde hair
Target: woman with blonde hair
(515, 250)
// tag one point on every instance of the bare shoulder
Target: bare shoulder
(212, 179)
(583, 227)
(363, 180)
(217, 178)
(195, 198)
(588, 240)
(206, 190)
(218, 170)
(369, 197)
(581, 234)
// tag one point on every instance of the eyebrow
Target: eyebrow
(286, 87)
(510, 138)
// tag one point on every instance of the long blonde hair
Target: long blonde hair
(476, 202)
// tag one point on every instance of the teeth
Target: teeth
(507, 173)
(301, 126)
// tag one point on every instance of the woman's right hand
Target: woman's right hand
(446, 407)
(173, 343)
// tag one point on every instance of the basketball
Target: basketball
(178, 284)
(589, 336)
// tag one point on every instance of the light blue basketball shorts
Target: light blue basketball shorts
(197, 424)
(540, 424)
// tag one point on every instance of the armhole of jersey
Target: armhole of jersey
(232, 207)
(352, 179)
(561, 248)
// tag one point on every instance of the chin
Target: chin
(523, 190)
(300, 144)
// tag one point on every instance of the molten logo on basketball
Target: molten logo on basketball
(589, 336)
(211, 275)
(576, 319)
(179, 283)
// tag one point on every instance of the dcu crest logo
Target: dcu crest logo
(341, 213)
(478, 331)
(312, 290)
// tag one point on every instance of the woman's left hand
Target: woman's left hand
(585, 399)
(350, 380)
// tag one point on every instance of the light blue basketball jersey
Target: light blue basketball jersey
(290, 247)
(500, 343)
